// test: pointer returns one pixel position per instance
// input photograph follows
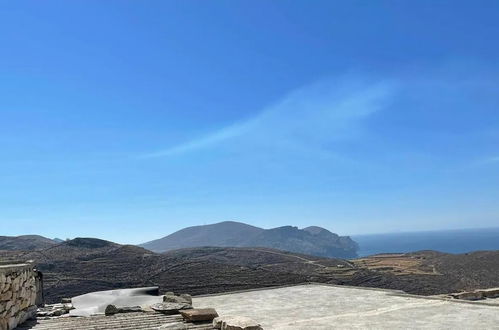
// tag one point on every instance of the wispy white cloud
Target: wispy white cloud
(306, 118)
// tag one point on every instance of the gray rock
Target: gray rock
(111, 310)
(133, 309)
(490, 293)
(176, 299)
(57, 312)
(473, 295)
(199, 314)
(6, 296)
(170, 307)
(187, 297)
(54, 310)
(235, 323)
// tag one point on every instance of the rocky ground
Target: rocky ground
(86, 265)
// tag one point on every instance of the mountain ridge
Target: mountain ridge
(312, 240)
(25, 242)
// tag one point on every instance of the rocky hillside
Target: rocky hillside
(85, 265)
(311, 240)
(25, 242)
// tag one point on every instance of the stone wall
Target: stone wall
(20, 291)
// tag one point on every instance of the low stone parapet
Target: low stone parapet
(20, 291)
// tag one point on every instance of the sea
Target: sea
(450, 241)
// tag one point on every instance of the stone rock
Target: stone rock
(6, 296)
(490, 293)
(15, 284)
(66, 300)
(6, 287)
(28, 314)
(176, 299)
(236, 323)
(68, 306)
(52, 310)
(24, 304)
(14, 309)
(199, 314)
(132, 309)
(111, 310)
(187, 297)
(12, 323)
(473, 295)
(170, 308)
(57, 312)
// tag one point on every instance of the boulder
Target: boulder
(111, 310)
(170, 308)
(132, 309)
(199, 314)
(236, 323)
(187, 297)
(176, 299)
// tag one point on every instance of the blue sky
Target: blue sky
(128, 120)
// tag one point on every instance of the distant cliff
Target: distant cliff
(311, 240)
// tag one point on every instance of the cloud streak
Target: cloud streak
(307, 118)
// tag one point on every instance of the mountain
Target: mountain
(318, 243)
(228, 233)
(311, 240)
(25, 242)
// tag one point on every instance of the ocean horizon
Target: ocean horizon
(448, 241)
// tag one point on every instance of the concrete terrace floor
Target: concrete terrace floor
(316, 306)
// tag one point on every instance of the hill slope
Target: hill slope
(85, 265)
(311, 240)
(227, 233)
(25, 242)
